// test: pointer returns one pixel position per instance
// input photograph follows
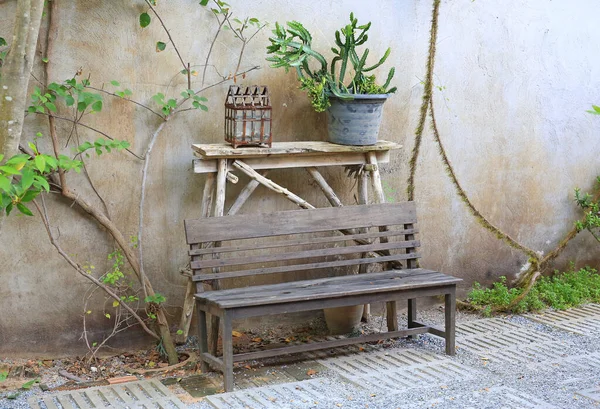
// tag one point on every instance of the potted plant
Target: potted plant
(343, 88)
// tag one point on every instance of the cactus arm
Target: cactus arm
(385, 56)
(389, 78)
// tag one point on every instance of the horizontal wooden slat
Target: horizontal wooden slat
(213, 361)
(295, 255)
(289, 243)
(248, 356)
(327, 288)
(303, 267)
(298, 221)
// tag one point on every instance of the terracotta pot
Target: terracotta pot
(343, 320)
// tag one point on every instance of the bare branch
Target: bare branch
(168, 34)
(44, 215)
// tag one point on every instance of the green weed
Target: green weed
(561, 291)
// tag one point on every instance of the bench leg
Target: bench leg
(202, 339)
(450, 312)
(227, 352)
(412, 315)
(392, 316)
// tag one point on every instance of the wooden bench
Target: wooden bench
(321, 242)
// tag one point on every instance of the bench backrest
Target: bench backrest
(300, 240)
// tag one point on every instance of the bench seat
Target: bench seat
(326, 288)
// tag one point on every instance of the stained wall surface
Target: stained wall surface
(513, 81)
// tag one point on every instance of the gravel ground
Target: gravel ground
(528, 378)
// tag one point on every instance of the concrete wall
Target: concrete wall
(516, 78)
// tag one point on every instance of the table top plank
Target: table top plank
(224, 150)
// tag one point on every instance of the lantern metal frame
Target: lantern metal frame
(248, 116)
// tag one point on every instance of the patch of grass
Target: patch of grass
(561, 291)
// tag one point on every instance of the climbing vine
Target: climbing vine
(536, 264)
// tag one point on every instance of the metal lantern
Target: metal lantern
(248, 116)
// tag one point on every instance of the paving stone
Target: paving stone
(139, 395)
(584, 320)
(593, 394)
(492, 398)
(497, 340)
(394, 371)
(289, 395)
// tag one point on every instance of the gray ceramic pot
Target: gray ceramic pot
(355, 121)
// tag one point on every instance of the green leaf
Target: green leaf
(40, 163)
(179, 332)
(97, 106)
(23, 209)
(3, 41)
(115, 83)
(9, 208)
(50, 106)
(69, 100)
(28, 385)
(144, 20)
(3, 375)
(41, 182)
(4, 183)
(18, 159)
(9, 170)
(82, 106)
(160, 46)
(202, 3)
(27, 178)
(29, 196)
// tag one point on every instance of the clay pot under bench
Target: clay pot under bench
(343, 320)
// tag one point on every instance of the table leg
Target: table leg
(392, 313)
(218, 212)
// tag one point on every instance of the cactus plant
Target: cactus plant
(291, 47)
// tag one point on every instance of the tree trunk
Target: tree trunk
(14, 77)
(15, 73)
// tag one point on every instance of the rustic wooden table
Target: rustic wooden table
(219, 160)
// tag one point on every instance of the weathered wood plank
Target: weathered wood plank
(295, 255)
(326, 288)
(303, 161)
(289, 243)
(224, 150)
(298, 222)
(302, 267)
(248, 356)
